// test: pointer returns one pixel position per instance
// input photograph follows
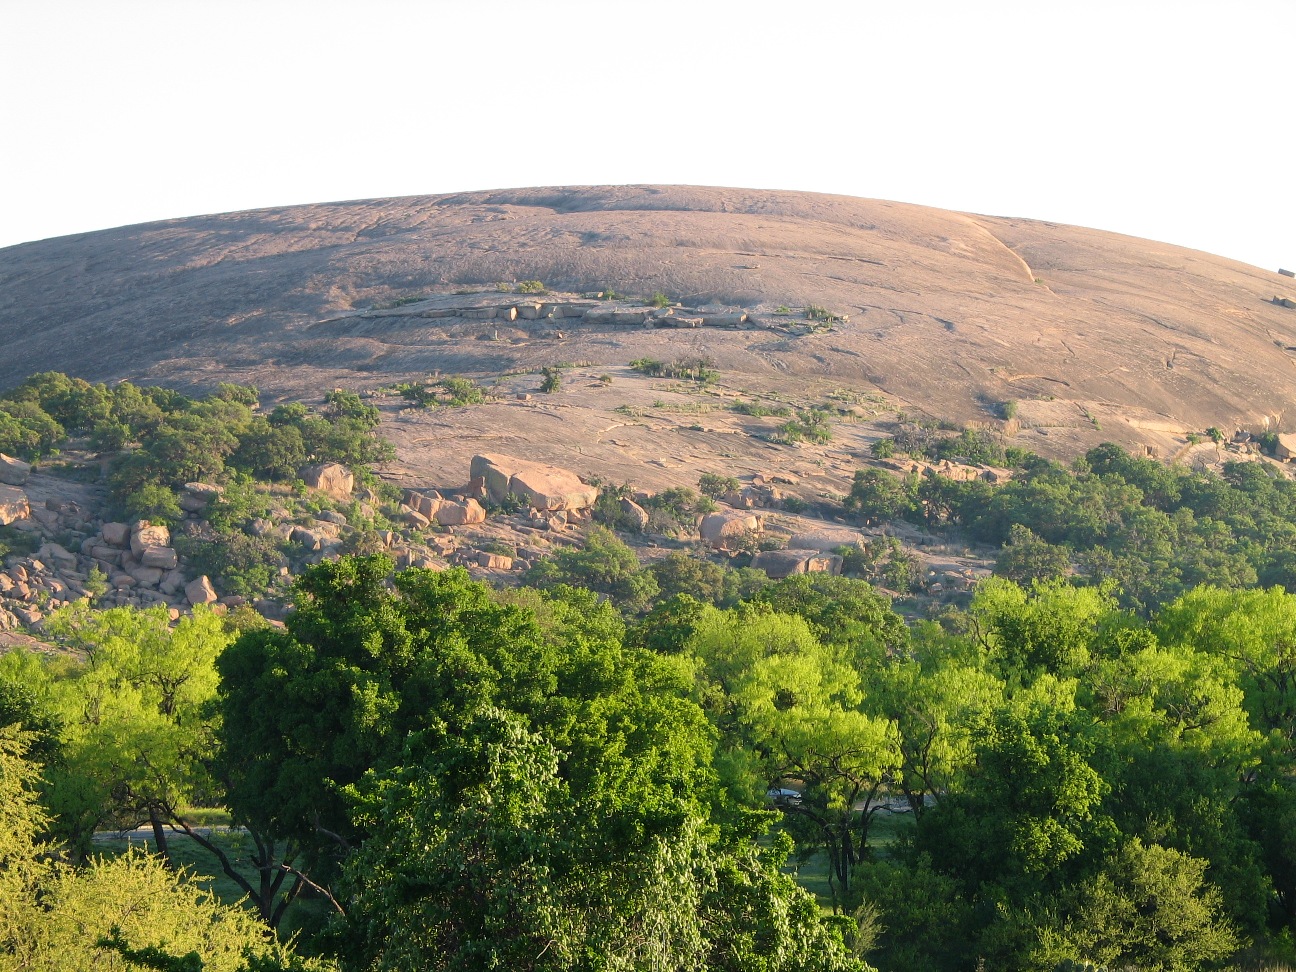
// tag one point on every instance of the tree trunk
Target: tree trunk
(160, 837)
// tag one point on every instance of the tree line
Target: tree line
(466, 777)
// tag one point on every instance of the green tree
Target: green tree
(796, 706)
(1026, 558)
(715, 485)
(134, 723)
(57, 917)
(1150, 908)
(604, 565)
(484, 856)
(878, 496)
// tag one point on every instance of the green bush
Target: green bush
(715, 485)
(683, 369)
(756, 410)
(14, 541)
(605, 565)
(550, 379)
(235, 562)
(531, 287)
(810, 425)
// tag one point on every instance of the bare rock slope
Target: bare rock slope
(1092, 334)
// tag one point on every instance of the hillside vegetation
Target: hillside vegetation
(643, 578)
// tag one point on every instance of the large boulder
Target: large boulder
(196, 497)
(540, 486)
(147, 576)
(161, 557)
(727, 528)
(144, 535)
(330, 478)
(778, 564)
(460, 514)
(116, 534)
(200, 591)
(826, 540)
(634, 514)
(13, 505)
(310, 539)
(13, 472)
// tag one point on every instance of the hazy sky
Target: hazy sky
(1170, 120)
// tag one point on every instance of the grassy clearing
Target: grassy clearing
(204, 868)
(196, 860)
(812, 874)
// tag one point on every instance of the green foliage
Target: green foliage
(551, 378)
(676, 510)
(236, 562)
(133, 717)
(1151, 530)
(449, 392)
(152, 502)
(810, 425)
(605, 565)
(715, 485)
(683, 369)
(184, 440)
(878, 496)
(240, 394)
(680, 574)
(1151, 908)
(757, 410)
(14, 541)
(133, 908)
(1026, 558)
(27, 431)
(531, 287)
(659, 300)
(814, 312)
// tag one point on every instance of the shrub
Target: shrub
(822, 314)
(659, 300)
(605, 565)
(756, 410)
(550, 379)
(531, 287)
(810, 425)
(236, 563)
(14, 541)
(152, 502)
(715, 486)
(684, 369)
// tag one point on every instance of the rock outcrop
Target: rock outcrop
(332, 479)
(826, 541)
(14, 472)
(540, 486)
(14, 505)
(451, 513)
(727, 528)
(778, 564)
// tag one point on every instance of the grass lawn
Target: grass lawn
(812, 874)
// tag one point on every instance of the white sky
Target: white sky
(1169, 120)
